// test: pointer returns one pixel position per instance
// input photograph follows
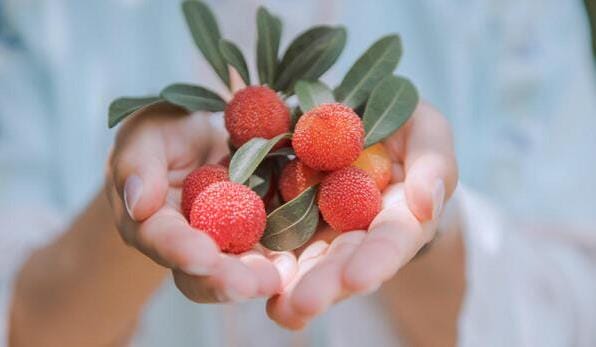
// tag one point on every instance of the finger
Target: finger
(236, 81)
(140, 174)
(322, 285)
(231, 281)
(264, 270)
(219, 146)
(279, 307)
(285, 263)
(394, 237)
(430, 164)
(167, 238)
(397, 173)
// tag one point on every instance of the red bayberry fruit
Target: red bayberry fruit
(256, 111)
(349, 199)
(197, 181)
(328, 137)
(297, 177)
(232, 214)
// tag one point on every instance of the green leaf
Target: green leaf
(292, 224)
(268, 38)
(259, 184)
(375, 64)
(233, 56)
(193, 98)
(123, 107)
(391, 104)
(260, 181)
(205, 33)
(248, 157)
(255, 181)
(312, 94)
(310, 56)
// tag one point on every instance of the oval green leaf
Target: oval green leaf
(375, 64)
(248, 157)
(206, 35)
(193, 98)
(234, 57)
(312, 94)
(124, 107)
(391, 104)
(292, 224)
(268, 38)
(310, 56)
(259, 184)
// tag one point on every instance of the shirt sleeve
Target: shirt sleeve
(27, 219)
(525, 286)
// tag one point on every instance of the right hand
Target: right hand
(152, 154)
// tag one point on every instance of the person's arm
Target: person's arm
(424, 298)
(85, 289)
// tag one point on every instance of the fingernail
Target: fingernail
(286, 266)
(438, 197)
(132, 192)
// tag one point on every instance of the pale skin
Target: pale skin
(90, 269)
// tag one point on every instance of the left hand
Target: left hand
(336, 266)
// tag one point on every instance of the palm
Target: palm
(159, 148)
(334, 266)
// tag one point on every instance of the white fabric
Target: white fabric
(514, 76)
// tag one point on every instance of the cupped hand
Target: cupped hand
(153, 153)
(335, 266)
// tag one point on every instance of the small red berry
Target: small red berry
(232, 214)
(197, 181)
(256, 111)
(328, 137)
(349, 199)
(297, 177)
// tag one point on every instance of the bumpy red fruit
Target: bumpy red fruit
(295, 178)
(232, 214)
(328, 137)
(199, 180)
(376, 162)
(349, 199)
(256, 111)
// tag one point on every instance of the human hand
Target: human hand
(153, 153)
(335, 266)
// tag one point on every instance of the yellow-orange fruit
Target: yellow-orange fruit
(297, 177)
(328, 137)
(256, 111)
(232, 214)
(349, 199)
(376, 162)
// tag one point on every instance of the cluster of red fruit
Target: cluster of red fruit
(298, 163)
(328, 142)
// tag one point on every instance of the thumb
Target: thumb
(140, 176)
